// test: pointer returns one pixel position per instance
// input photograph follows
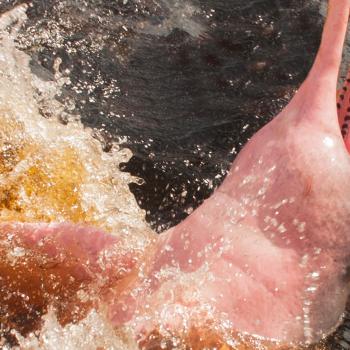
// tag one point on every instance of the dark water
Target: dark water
(183, 84)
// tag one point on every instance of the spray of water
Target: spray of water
(53, 173)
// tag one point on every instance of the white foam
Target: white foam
(103, 189)
(92, 333)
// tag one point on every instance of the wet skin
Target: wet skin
(268, 252)
(275, 235)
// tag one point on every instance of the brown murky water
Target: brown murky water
(95, 77)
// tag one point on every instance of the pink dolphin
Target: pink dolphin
(267, 254)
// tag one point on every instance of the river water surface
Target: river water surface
(181, 84)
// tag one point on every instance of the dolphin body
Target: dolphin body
(266, 255)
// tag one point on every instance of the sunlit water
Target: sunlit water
(67, 115)
(182, 86)
(52, 173)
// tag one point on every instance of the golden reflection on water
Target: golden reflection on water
(38, 183)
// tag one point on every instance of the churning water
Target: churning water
(181, 84)
(167, 91)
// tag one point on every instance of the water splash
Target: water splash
(44, 162)
(53, 173)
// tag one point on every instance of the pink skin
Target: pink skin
(91, 253)
(281, 219)
(269, 250)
